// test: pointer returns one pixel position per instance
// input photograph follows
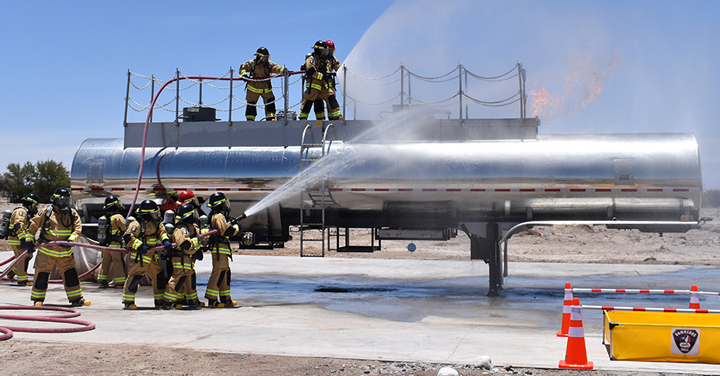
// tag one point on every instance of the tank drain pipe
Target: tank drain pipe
(527, 225)
(63, 318)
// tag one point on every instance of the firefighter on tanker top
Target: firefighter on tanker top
(218, 288)
(255, 72)
(142, 234)
(19, 237)
(333, 66)
(58, 223)
(319, 104)
(187, 243)
(113, 238)
(318, 83)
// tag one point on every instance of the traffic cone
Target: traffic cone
(694, 298)
(567, 310)
(575, 353)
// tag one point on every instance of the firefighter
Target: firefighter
(187, 243)
(318, 83)
(114, 232)
(19, 237)
(254, 71)
(218, 288)
(58, 222)
(333, 65)
(186, 197)
(318, 103)
(142, 234)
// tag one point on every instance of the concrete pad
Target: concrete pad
(395, 310)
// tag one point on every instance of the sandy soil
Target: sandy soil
(542, 244)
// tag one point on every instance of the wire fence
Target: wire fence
(226, 93)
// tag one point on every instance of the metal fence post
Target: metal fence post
(344, 87)
(127, 98)
(286, 93)
(230, 99)
(152, 95)
(460, 91)
(177, 96)
(402, 85)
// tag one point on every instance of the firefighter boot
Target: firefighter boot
(104, 284)
(11, 276)
(37, 303)
(212, 303)
(80, 302)
(130, 306)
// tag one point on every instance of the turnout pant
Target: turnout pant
(20, 269)
(218, 287)
(44, 264)
(137, 270)
(252, 98)
(114, 259)
(326, 94)
(182, 284)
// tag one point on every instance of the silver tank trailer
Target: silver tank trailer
(408, 186)
(611, 176)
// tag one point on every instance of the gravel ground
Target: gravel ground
(541, 244)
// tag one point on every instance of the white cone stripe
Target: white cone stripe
(567, 309)
(576, 332)
(576, 315)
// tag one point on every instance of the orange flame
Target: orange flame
(543, 103)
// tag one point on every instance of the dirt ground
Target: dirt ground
(593, 244)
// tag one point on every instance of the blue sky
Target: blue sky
(601, 66)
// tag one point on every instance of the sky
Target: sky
(591, 66)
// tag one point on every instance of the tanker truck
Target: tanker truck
(412, 177)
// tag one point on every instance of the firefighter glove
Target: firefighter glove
(65, 245)
(30, 248)
(167, 244)
(143, 249)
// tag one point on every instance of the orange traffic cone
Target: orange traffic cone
(567, 310)
(575, 353)
(694, 298)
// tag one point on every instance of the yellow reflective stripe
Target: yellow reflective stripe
(37, 295)
(255, 90)
(50, 252)
(225, 293)
(14, 242)
(335, 113)
(55, 232)
(115, 245)
(74, 294)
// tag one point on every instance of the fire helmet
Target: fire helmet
(262, 54)
(330, 46)
(320, 48)
(113, 204)
(61, 198)
(218, 202)
(149, 211)
(186, 213)
(187, 197)
(31, 201)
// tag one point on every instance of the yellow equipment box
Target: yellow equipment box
(662, 336)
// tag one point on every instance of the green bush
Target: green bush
(42, 178)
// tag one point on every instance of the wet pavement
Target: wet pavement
(395, 310)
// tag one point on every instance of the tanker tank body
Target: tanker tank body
(481, 176)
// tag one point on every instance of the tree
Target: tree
(42, 178)
(49, 175)
(18, 181)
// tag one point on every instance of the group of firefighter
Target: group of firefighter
(164, 253)
(320, 68)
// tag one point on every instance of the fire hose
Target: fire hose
(85, 245)
(63, 318)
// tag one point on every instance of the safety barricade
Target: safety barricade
(652, 334)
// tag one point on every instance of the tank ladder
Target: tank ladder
(314, 199)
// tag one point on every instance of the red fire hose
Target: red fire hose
(59, 318)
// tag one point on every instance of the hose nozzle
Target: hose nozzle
(241, 217)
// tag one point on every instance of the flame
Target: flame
(543, 103)
(584, 81)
